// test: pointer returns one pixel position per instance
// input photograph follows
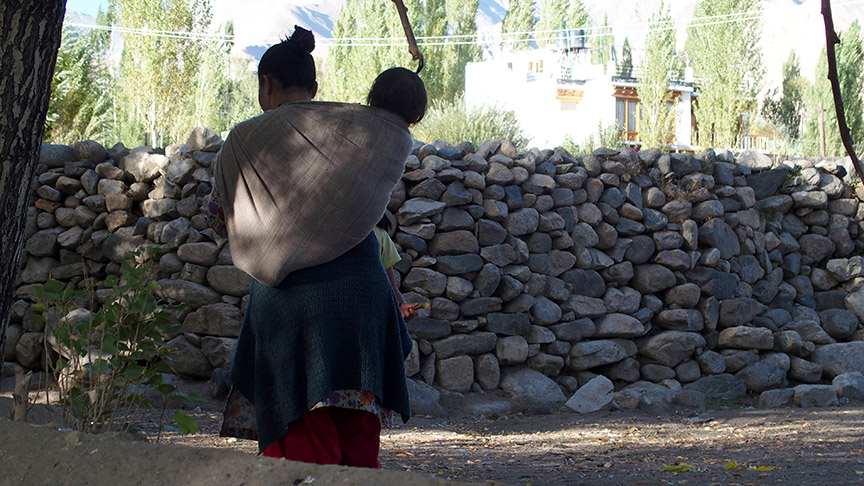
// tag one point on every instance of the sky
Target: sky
(90, 7)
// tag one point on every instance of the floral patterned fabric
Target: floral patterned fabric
(212, 209)
(239, 415)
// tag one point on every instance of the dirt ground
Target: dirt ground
(737, 446)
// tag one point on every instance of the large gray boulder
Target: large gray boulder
(840, 358)
(764, 375)
(717, 234)
(724, 386)
(425, 400)
(218, 319)
(591, 354)
(671, 348)
(592, 396)
(531, 391)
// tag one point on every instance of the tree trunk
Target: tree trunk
(29, 40)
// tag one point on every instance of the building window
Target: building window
(627, 115)
(535, 67)
(569, 98)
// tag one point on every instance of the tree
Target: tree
(657, 128)
(350, 69)
(433, 23)
(157, 71)
(728, 64)
(820, 101)
(225, 89)
(787, 111)
(850, 55)
(81, 91)
(29, 40)
(626, 69)
(603, 44)
(519, 20)
(577, 15)
(553, 18)
(462, 18)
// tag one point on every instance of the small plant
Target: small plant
(111, 361)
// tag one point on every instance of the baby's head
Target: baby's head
(400, 91)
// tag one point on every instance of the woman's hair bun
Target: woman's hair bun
(302, 39)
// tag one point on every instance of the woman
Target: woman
(321, 350)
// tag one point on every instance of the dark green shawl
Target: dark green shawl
(335, 326)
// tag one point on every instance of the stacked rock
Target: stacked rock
(641, 277)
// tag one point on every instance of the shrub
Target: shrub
(608, 137)
(111, 362)
(455, 122)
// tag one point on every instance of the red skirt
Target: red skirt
(331, 435)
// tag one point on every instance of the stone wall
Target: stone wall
(659, 272)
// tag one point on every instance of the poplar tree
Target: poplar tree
(728, 65)
(225, 89)
(352, 66)
(518, 19)
(350, 69)
(81, 89)
(577, 15)
(787, 111)
(657, 127)
(462, 19)
(626, 69)
(553, 18)
(156, 71)
(820, 102)
(602, 43)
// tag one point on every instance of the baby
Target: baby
(403, 93)
(399, 91)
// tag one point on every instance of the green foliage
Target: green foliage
(626, 67)
(163, 87)
(605, 137)
(728, 65)
(461, 17)
(455, 122)
(225, 89)
(602, 44)
(156, 72)
(788, 109)
(850, 63)
(677, 468)
(350, 69)
(657, 127)
(553, 17)
(81, 94)
(577, 15)
(518, 19)
(110, 359)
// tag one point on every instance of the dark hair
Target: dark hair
(385, 223)
(400, 91)
(290, 61)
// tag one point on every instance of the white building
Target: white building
(557, 92)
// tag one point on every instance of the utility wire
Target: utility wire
(489, 37)
(605, 30)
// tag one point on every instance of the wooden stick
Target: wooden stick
(409, 34)
(20, 396)
(832, 39)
